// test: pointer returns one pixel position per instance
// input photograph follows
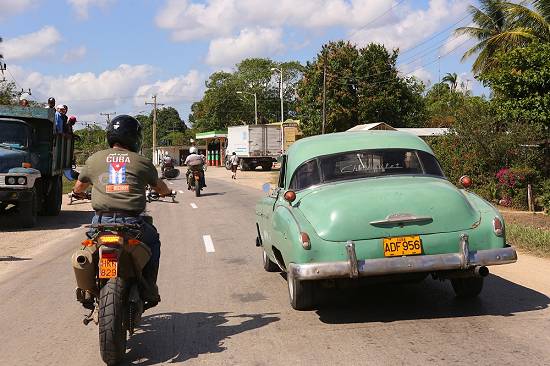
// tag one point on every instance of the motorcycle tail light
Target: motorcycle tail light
(87, 243)
(134, 241)
(110, 239)
(498, 227)
(304, 240)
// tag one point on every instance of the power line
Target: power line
(376, 18)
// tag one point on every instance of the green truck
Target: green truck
(33, 159)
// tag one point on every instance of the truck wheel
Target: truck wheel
(301, 293)
(227, 164)
(467, 288)
(269, 266)
(52, 201)
(112, 327)
(267, 166)
(28, 212)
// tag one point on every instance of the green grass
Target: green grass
(529, 239)
(67, 185)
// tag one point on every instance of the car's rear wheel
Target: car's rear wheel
(301, 293)
(467, 287)
(269, 266)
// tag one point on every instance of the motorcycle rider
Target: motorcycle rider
(195, 161)
(119, 176)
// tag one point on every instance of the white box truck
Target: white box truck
(255, 145)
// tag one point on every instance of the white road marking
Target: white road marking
(193, 205)
(208, 244)
(171, 183)
(180, 191)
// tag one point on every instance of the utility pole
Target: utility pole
(2, 65)
(155, 105)
(108, 115)
(324, 93)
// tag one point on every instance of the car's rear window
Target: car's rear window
(364, 164)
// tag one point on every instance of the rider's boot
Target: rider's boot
(152, 296)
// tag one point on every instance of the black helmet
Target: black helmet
(126, 131)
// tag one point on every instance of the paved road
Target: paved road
(220, 308)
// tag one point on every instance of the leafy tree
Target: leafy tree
(7, 92)
(221, 106)
(362, 86)
(168, 123)
(443, 105)
(91, 139)
(522, 93)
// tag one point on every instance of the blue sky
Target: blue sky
(111, 55)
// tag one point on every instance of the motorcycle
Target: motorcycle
(108, 270)
(194, 180)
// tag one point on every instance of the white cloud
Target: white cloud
(413, 27)
(81, 7)
(30, 45)
(87, 92)
(455, 42)
(120, 90)
(12, 7)
(189, 20)
(184, 88)
(75, 54)
(249, 43)
(422, 74)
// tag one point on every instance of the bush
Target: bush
(544, 195)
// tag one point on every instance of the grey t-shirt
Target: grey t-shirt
(119, 178)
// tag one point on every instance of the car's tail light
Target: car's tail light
(465, 181)
(498, 227)
(304, 240)
(110, 239)
(290, 196)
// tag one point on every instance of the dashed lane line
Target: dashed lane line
(208, 244)
(193, 205)
(180, 191)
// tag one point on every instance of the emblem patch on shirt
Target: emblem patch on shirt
(117, 178)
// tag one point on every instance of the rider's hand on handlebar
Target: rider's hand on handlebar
(81, 195)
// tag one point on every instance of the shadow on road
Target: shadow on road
(212, 194)
(177, 337)
(426, 300)
(11, 258)
(66, 220)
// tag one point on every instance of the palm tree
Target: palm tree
(452, 79)
(496, 31)
(536, 19)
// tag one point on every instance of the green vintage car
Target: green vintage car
(374, 205)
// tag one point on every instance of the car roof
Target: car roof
(308, 148)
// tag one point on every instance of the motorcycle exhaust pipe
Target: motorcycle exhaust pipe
(84, 271)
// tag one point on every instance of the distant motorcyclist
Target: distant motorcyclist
(195, 161)
(167, 163)
(119, 177)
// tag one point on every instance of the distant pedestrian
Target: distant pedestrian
(234, 161)
(23, 100)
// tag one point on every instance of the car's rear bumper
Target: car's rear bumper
(353, 268)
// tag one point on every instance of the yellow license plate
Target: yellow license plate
(108, 268)
(403, 245)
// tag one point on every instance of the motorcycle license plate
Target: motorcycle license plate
(400, 246)
(108, 268)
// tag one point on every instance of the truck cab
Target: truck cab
(33, 158)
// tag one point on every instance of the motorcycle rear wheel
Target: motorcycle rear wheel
(197, 189)
(112, 323)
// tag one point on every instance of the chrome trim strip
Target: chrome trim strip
(401, 218)
(396, 265)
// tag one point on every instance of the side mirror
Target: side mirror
(266, 187)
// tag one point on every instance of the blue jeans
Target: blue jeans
(150, 238)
